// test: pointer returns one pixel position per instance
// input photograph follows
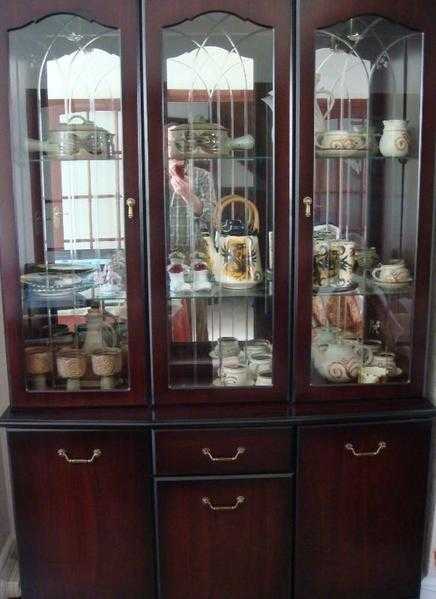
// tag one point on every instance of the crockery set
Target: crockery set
(342, 357)
(242, 364)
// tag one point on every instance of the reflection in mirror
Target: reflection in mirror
(219, 195)
(66, 122)
(367, 122)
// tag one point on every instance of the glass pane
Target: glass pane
(65, 81)
(218, 102)
(366, 189)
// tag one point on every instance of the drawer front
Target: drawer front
(226, 539)
(231, 451)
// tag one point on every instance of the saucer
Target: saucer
(393, 286)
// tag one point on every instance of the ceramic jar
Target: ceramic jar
(106, 363)
(236, 375)
(71, 365)
(39, 363)
(337, 362)
(395, 141)
(343, 251)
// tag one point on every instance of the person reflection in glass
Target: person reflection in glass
(191, 207)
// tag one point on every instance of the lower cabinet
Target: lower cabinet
(225, 539)
(83, 514)
(361, 499)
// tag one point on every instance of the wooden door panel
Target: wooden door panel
(83, 530)
(236, 554)
(360, 519)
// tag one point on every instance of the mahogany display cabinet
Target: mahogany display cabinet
(215, 241)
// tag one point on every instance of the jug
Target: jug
(234, 257)
(97, 332)
(319, 117)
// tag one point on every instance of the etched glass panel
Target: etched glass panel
(218, 102)
(367, 120)
(66, 122)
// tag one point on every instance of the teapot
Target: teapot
(337, 362)
(97, 332)
(319, 117)
(233, 254)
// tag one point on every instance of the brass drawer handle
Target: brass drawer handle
(95, 454)
(206, 451)
(223, 508)
(382, 445)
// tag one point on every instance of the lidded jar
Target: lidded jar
(395, 141)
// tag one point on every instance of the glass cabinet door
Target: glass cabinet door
(364, 210)
(72, 209)
(219, 196)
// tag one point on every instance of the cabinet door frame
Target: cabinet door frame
(17, 15)
(312, 15)
(165, 13)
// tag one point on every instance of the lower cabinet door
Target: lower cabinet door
(361, 498)
(225, 539)
(83, 514)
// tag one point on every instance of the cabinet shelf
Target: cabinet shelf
(217, 292)
(368, 288)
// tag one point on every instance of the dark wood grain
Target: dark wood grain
(15, 15)
(313, 15)
(164, 13)
(243, 554)
(83, 530)
(360, 520)
(266, 451)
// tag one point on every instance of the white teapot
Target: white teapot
(337, 362)
(319, 117)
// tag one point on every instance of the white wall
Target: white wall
(6, 519)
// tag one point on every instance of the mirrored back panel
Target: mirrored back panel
(218, 103)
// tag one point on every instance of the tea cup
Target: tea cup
(386, 360)
(394, 271)
(264, 378)
(370, 375)
(227, 347)
(259, 361)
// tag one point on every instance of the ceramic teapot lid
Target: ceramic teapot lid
(198, 123)
(83, 125)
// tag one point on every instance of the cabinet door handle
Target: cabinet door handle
(131, 203)
(223, 508)
(95, 454)
(307, 201)
(361, 454)
(206, 451)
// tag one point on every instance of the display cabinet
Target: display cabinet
(71, 258)
(365, 209)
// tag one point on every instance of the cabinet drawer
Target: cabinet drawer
(232, 451)
(235, 534)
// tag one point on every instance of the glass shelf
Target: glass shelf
(217, 292)
(365, 287)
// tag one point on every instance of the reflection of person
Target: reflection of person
(192, 203)
(190, 211)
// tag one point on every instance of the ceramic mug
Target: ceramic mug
(386, 360)
(227, 347)
(260, 361)
(264, 378)
(395, 271)
(371, 375)
(235, 375)
(324, 264)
